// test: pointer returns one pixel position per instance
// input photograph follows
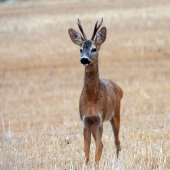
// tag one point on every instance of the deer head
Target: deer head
(88, 48)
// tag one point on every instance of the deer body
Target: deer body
(100, 98)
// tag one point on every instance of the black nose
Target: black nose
(84, 61)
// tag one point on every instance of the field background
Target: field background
(41, 80)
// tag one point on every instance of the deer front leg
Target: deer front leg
(93, 130)
(99, 144)
(87, 140)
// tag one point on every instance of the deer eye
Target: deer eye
(81, 50)
(94, 50)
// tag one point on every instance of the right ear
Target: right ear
(101, 36)
(75, 37)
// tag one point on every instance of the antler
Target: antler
(81, 29)
(96, 29)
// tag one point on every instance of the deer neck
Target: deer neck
(91, 81)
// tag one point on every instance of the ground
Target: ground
(41, 80)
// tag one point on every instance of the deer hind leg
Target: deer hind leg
(115, 122)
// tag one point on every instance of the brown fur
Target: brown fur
(100, 98)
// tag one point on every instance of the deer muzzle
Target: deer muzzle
(84, 61)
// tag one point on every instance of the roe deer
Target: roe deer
(100, 98)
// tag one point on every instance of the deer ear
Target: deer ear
(75, 37)
(101, 36)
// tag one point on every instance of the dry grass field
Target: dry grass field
(41, 80)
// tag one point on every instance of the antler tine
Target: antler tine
(100, 24)
(81, 29)
(94, 32)
(96, 29)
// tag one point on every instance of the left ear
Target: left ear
(101, 36)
